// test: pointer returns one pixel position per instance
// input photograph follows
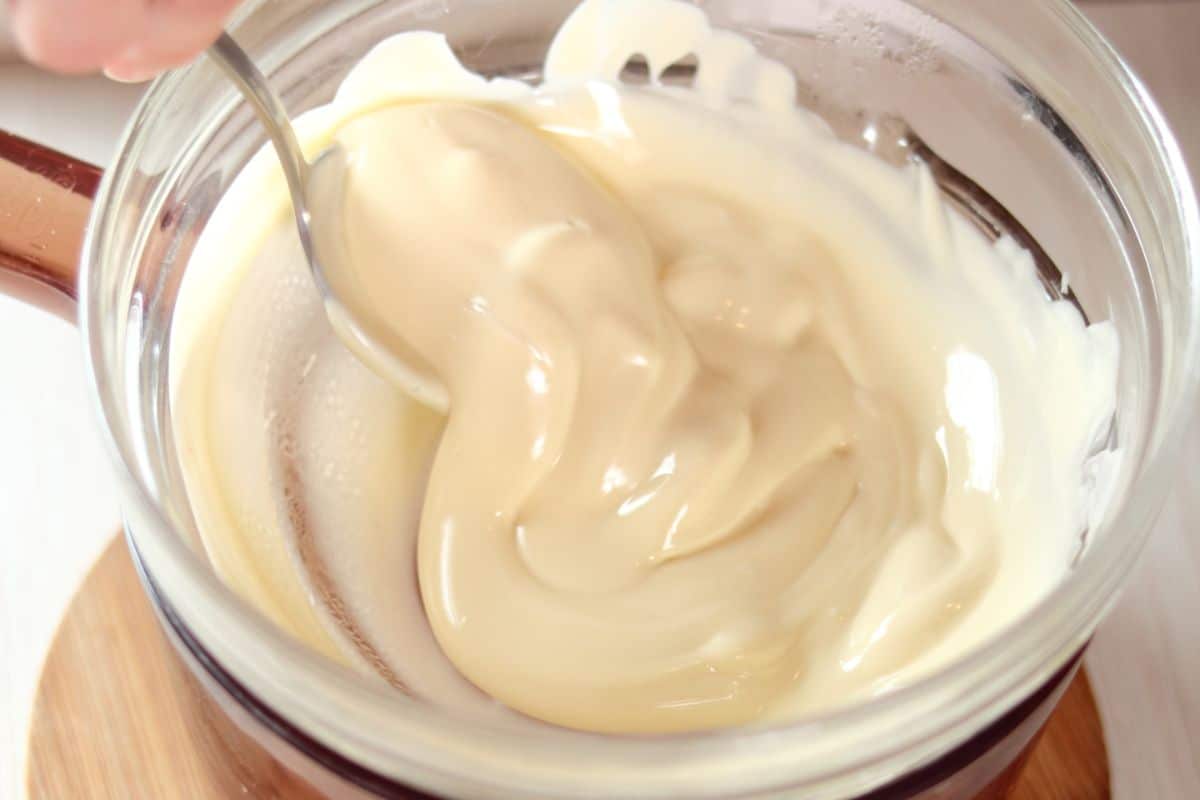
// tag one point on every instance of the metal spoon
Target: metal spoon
(316, 189)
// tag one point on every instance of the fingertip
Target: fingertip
(127, 74)
(81, 46)
(139, 64)
(134, 65)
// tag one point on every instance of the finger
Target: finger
(130, 38)
(75, 36)
(175, 32)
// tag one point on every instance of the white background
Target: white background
(58, 510)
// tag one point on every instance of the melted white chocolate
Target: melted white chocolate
(742, 423)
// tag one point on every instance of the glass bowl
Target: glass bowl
(1024, 97)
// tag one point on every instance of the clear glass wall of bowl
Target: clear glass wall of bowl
(1021, 96)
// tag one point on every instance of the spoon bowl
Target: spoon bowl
(317, 188)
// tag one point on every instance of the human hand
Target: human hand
(131, 40)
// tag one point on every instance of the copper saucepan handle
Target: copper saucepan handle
(45, 200)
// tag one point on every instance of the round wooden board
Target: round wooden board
(111, 717)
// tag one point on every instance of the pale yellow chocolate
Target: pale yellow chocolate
(742, 422)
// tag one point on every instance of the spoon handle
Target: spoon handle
(237, 66)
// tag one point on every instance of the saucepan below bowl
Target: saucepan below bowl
(1023, 96)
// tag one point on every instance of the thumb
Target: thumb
(126, 36)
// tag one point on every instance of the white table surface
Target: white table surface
(58, 508)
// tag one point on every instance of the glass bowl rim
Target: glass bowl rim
(397, 730)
